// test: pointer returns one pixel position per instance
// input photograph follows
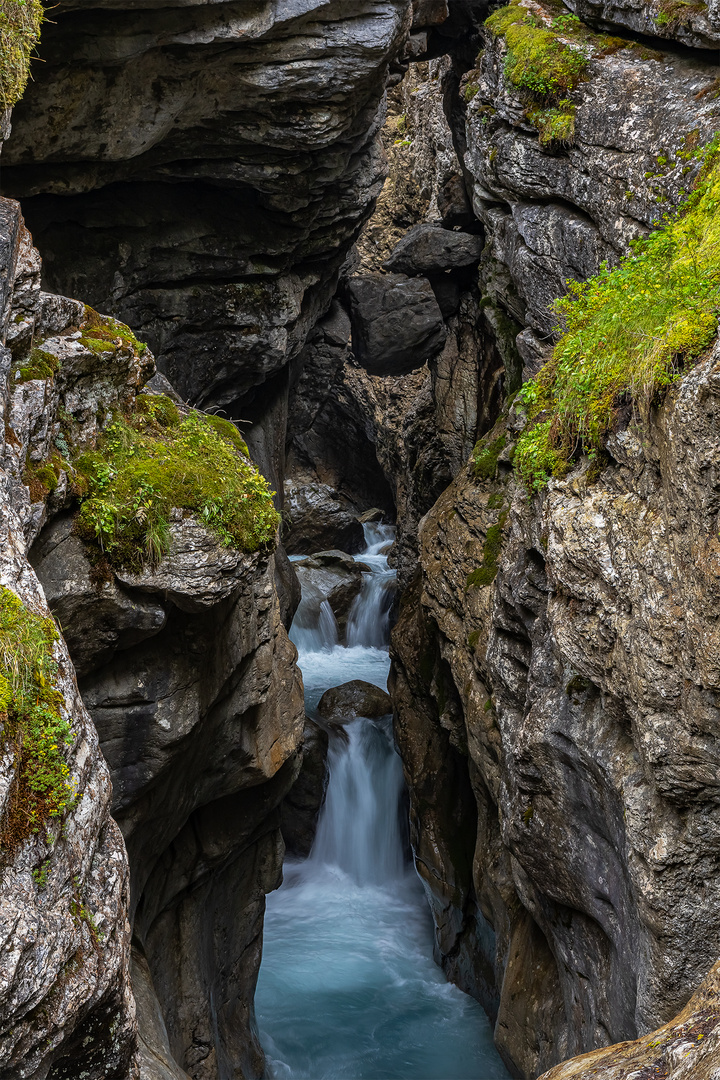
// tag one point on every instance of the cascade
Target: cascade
(348, 989)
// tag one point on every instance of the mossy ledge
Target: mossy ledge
(629, 333)
(154, 461)
(32, 722)
(20, 22)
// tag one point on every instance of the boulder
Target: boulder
(340, 704)
(316, 518)
(332, 576)
(302, 804)
(427, 250)
(396, 322)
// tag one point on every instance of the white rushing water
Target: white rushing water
(347, 988)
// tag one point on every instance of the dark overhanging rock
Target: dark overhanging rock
(397, 325)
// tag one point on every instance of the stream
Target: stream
(348, 989)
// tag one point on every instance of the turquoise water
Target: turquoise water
(348, 989)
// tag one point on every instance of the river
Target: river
(348, 989)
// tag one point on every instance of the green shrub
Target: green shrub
(155, 461)
(20, 22)
(32, 721)
(628, 334)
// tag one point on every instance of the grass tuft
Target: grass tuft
(629, 332)
(20, 22)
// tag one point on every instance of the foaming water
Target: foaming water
(347, 988)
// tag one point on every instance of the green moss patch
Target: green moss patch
(100, 333)
(629, 332)
(39, 365)
(20, 22)
(487, 571)
(148, 464)
(485, 457)
(555, 125)
(537, 59)
(31, 720)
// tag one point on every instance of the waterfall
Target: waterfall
(359, 827)
(348, 989)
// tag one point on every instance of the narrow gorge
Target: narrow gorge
(360, 565)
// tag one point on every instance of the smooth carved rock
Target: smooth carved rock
(200, 170)
(198, 570)
(428, 250)
(397, 325)
(333, 577)
(301, 806)
(343, 703)
(687, 1048)
(97, 619)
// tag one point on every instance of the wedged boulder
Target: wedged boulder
(317, 518)
(332, 576)
(341, 704)
(301, 806)
(396, 322)
(427, 250)
(97, 617)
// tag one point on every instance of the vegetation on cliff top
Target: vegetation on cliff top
(31, 720)
(628, 334)
(154, 461)
(20, 22)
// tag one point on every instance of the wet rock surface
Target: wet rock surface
(396, 323)
(343, 703)
(301, 807)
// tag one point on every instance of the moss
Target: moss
(153, 461)
(537, 60)
(555, 125)
(471, 91)
(40, 365)
(473, 639)
(487, 571)
(32, 722)
(228, 431)
(485, 457)
(42, 478)
(100, 333)
(678, 12)
(20, 22)
(629, 332)
(495, 501)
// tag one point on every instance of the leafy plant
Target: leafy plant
(628, 333)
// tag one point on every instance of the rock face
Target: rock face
(301, 807)
(65, 998)
(574, 692)
(396, 323)
(200, 170)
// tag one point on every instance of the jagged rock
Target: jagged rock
(396, 323)
(98, 618)
(301, 806)
(200, 170)
(578, 689)
(427, 250)
(66, 1006)
(343, 703)
(555, 213)
(697, 25)
(317, 517)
